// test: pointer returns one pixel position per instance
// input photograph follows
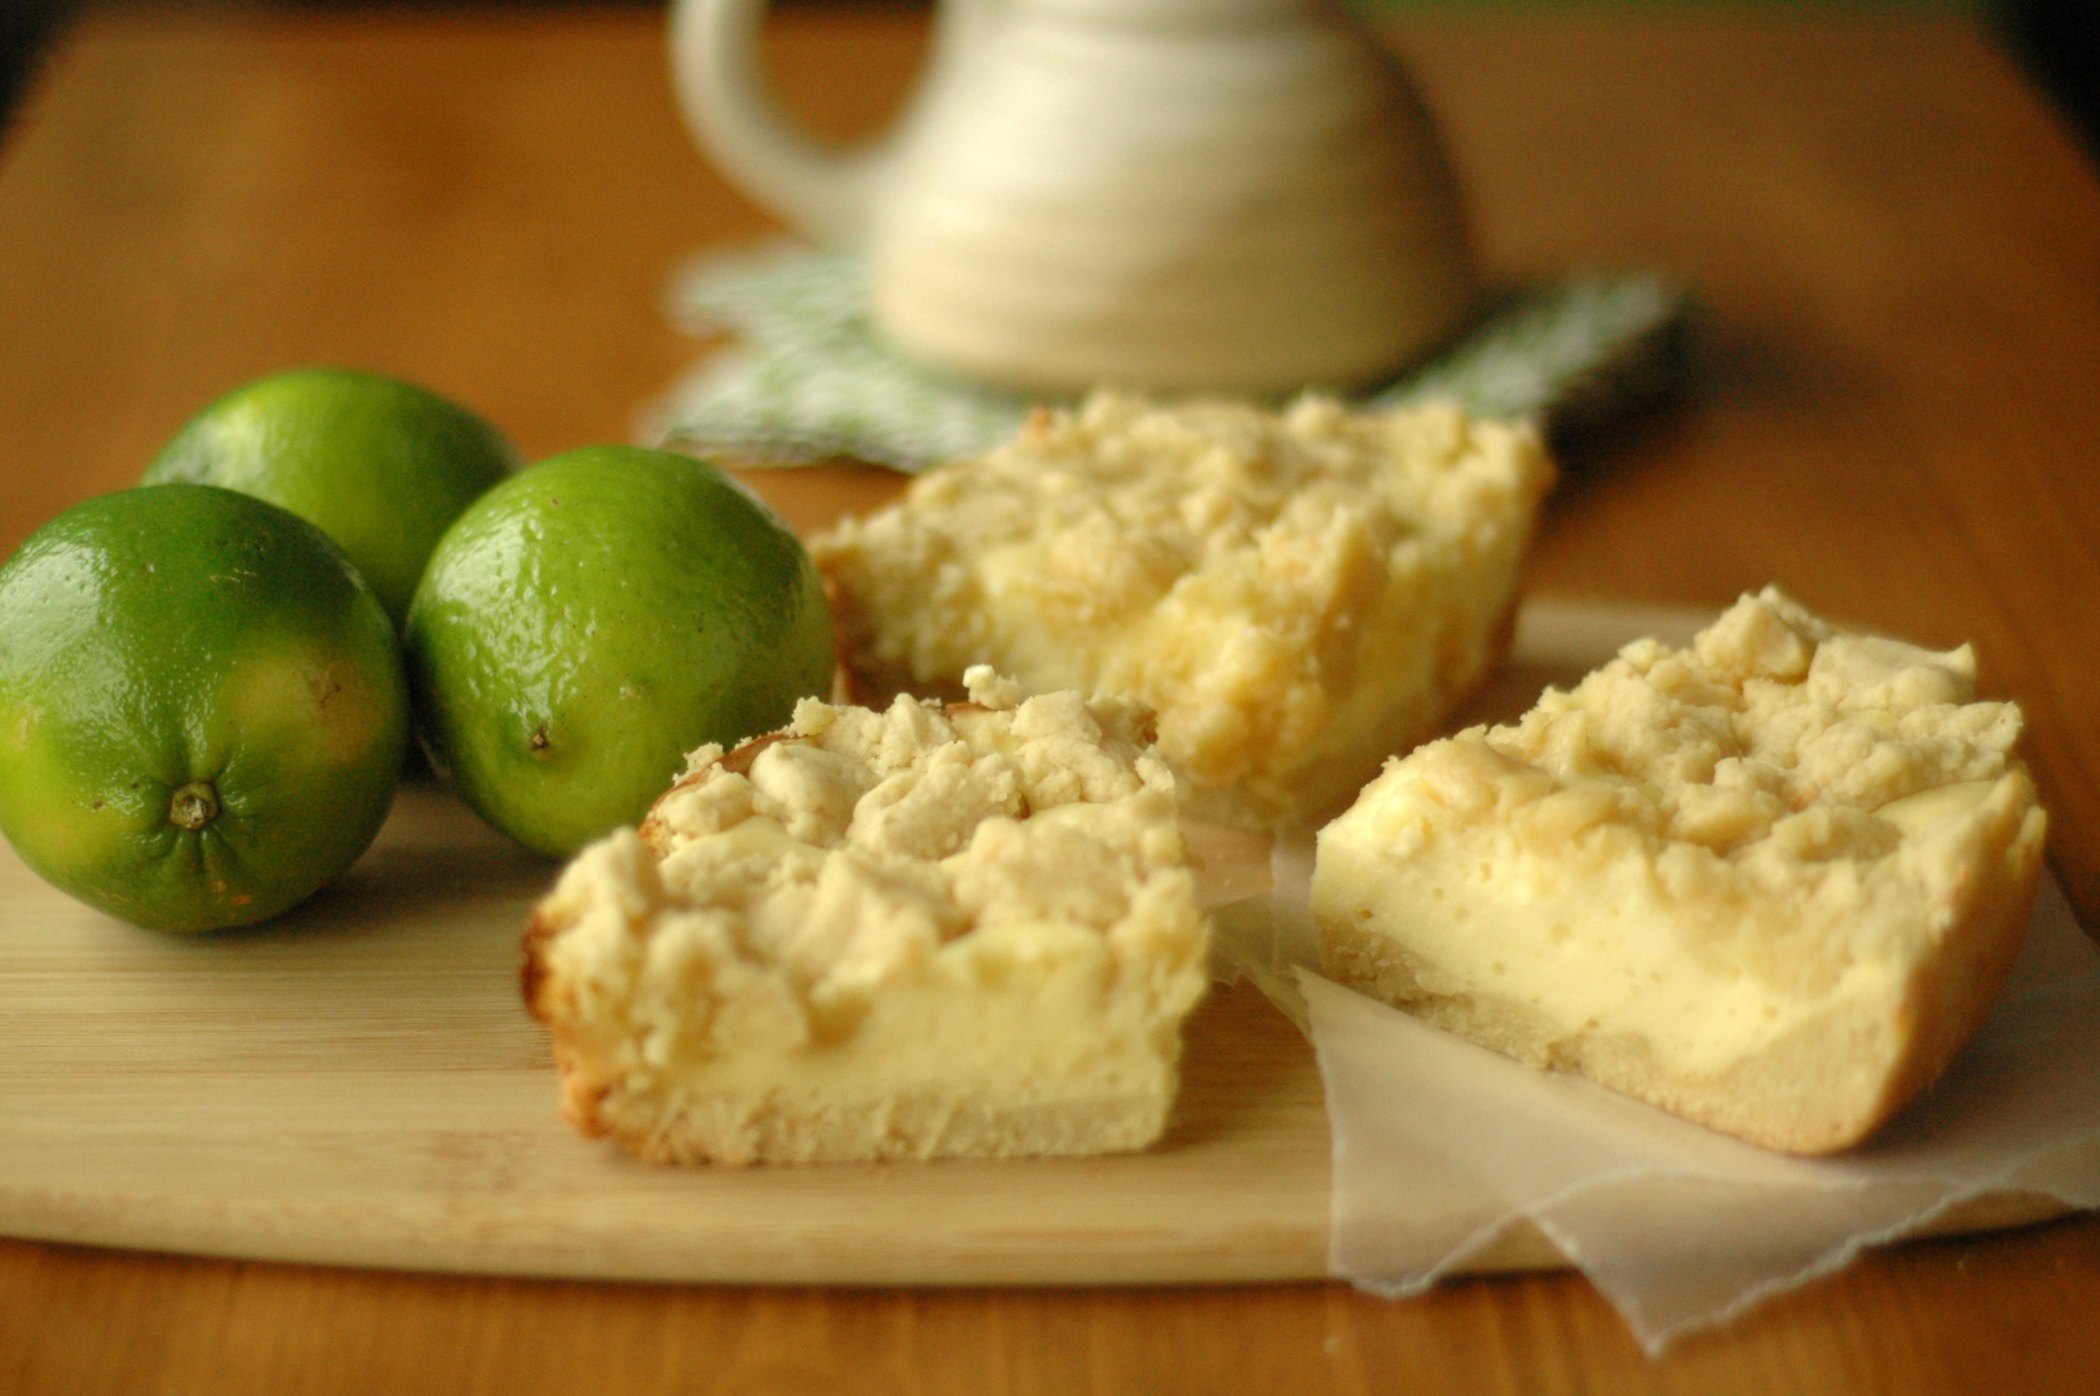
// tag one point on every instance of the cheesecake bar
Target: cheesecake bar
(1296, 594)
(1771, 882)
(920, 932)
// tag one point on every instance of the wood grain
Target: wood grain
(1899, 250)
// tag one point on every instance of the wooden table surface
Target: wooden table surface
(1896, 415)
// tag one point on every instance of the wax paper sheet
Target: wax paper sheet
(1441, 1147)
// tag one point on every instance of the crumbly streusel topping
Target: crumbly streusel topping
(1237, 569)
(1775, 756)
(775, 889)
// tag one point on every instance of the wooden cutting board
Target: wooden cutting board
(358, 1083)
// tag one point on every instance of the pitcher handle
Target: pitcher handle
(716, 68)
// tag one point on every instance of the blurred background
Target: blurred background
(2056, 41)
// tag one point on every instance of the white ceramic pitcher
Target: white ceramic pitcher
(1235, 195)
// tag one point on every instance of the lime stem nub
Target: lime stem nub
(193, 806)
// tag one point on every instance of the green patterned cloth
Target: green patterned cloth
(805, 379)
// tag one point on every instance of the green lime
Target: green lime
(382, 467)
(202, 707)
(591, 620)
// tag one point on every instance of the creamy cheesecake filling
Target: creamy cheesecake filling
(1296, 595)
(1701, 861)
(910, 932)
